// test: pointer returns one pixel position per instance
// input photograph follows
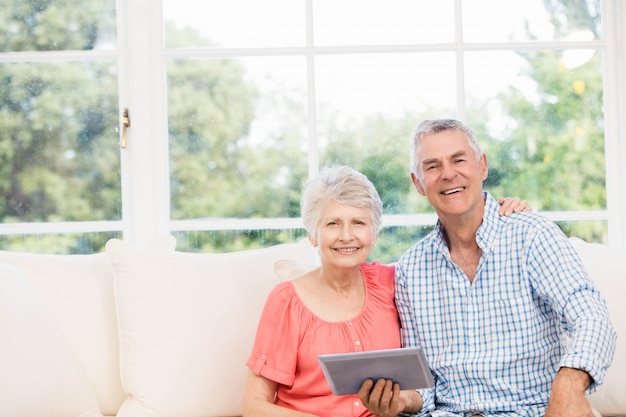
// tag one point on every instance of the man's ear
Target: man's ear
(484, 167)
(418, 184)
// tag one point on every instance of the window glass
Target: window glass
(378, 22)
(232, 240)
(235, 23)
(59, 153)
(237, 136)
(367, 106)
(530, 20)
(53, 243)
(259, 95)
(541, 125)
(59, 147)
(57, 25)
(541, 120)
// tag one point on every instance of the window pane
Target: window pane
(367, 107)
(57, 25)
(590, 231)
(530, 20)
(377, 22)
(394, 241)
(235, 23)
(232, 240)
(237, 137)
(67, 243)
(542, 126)
(59, 154)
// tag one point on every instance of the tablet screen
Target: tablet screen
(345, 372)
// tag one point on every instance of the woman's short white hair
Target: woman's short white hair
(429, 127)
(343, 185)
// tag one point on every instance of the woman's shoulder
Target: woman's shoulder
(377, 268)
(378, 273)
(281, 292)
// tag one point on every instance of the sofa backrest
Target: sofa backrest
(77, 291)
(607, 268)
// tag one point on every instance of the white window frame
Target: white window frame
(144, 162)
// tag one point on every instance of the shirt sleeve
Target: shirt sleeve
(409, 332)
(275, 357)
(560, 279)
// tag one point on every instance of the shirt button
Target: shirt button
(356, 404)
(350, 324)
(357, 343)
(263, 356)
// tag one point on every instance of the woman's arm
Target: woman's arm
(258, 399)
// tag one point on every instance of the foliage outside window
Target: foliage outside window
(256, 104)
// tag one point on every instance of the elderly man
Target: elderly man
(510, 321)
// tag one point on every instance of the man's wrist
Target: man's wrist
(577, 379)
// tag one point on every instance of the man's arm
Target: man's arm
(568, 394)
(385, 399)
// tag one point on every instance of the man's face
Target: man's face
(449, 174)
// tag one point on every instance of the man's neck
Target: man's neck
(460, 231)
(460, 235)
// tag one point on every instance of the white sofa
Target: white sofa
(152, 332)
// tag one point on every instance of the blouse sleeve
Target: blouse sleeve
(274, 352)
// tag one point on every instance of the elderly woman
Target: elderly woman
(344, 305)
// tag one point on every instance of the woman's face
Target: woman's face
(345, 235)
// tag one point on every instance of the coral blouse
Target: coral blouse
(290, 337)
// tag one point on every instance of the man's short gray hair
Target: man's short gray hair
(429, 127)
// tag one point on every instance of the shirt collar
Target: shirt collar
(487, 231)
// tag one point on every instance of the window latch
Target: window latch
(125, 126)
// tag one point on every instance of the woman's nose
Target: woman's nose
(346, 232)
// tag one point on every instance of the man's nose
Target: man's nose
(447, 171)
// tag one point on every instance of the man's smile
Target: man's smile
(452, 191)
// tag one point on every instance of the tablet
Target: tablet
(345, 372)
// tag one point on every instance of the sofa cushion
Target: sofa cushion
(40, 376)
(187, 322)
(607, 268)
(288, 269)
(77, 290)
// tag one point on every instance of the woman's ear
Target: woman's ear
(312, 240)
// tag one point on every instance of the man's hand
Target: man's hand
(568, 394)
(385, 399)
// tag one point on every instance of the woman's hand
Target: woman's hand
(385, 399)
(381, 398)
(510, 205)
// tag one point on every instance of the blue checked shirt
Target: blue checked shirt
(494, 346)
